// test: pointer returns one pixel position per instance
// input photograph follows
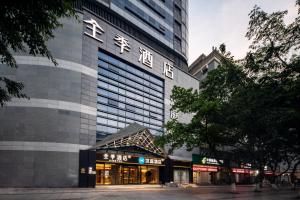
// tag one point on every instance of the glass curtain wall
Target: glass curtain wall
(127, 94)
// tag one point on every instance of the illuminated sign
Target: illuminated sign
(122, 158)
(243, 171)
(246, 165)
(116, 157)
(153, 161)
(204, 168)
(82, 170)
(197, 159)
(211, 161)
(141, 160)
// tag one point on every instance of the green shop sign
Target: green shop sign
(202, 160)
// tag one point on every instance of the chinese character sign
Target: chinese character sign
(122, 43)
(146, 57)
(105, 156)
(211, 161)
(96, 29)
(122, 158)
(119, 158)
(168, 70)
(153, 161)
(173, 115)
(93, 30)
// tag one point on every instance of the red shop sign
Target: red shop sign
(268, 173)
(242, 171)
(204, 168)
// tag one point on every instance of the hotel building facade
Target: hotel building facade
(117, 65)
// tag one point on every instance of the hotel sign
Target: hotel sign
(124, 158)
(122, 42)
(116, 157)
(145, 57)
(96, 29)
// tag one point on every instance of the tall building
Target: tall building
(117, 65)
(162, 24)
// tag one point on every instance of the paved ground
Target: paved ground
(145, 193)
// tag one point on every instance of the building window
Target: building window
(177, 43)
(177, 28)
(204, 70)
(113, 103)
(177, 13)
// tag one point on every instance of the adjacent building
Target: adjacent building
(117, 65)
(206, 169)
(204, 63)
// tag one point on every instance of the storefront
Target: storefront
(181, 175)
(205, 174)
(244, 175)
(206, 170)
(129, 157)
(178, 170)
(115, 169)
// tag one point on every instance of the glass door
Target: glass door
(131, 175)
(108, 174)
(125, 175)
(134, 175)
(181, 176)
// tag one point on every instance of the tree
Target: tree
(249, 108)
(274, 63)
(208, 129)
(25, 26)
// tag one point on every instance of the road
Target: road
(144, 193)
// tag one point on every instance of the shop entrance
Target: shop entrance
(131, 175)
(117, 174)
(128, 157)
(181, 175)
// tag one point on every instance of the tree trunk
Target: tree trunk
(293, 177)
(232, 182)
(274, 182)
(298, 194)
(259, 180)
(233, 188)
(257, 187)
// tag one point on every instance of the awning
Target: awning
(180, 158)
(134, 135)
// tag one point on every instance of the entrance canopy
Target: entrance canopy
(132, 136)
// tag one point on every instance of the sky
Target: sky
(213, 22)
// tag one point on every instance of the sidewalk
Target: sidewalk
(104, 188)
(122, 192)
(72, 193)
(109, 188)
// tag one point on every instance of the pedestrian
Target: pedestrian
(293, 180)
